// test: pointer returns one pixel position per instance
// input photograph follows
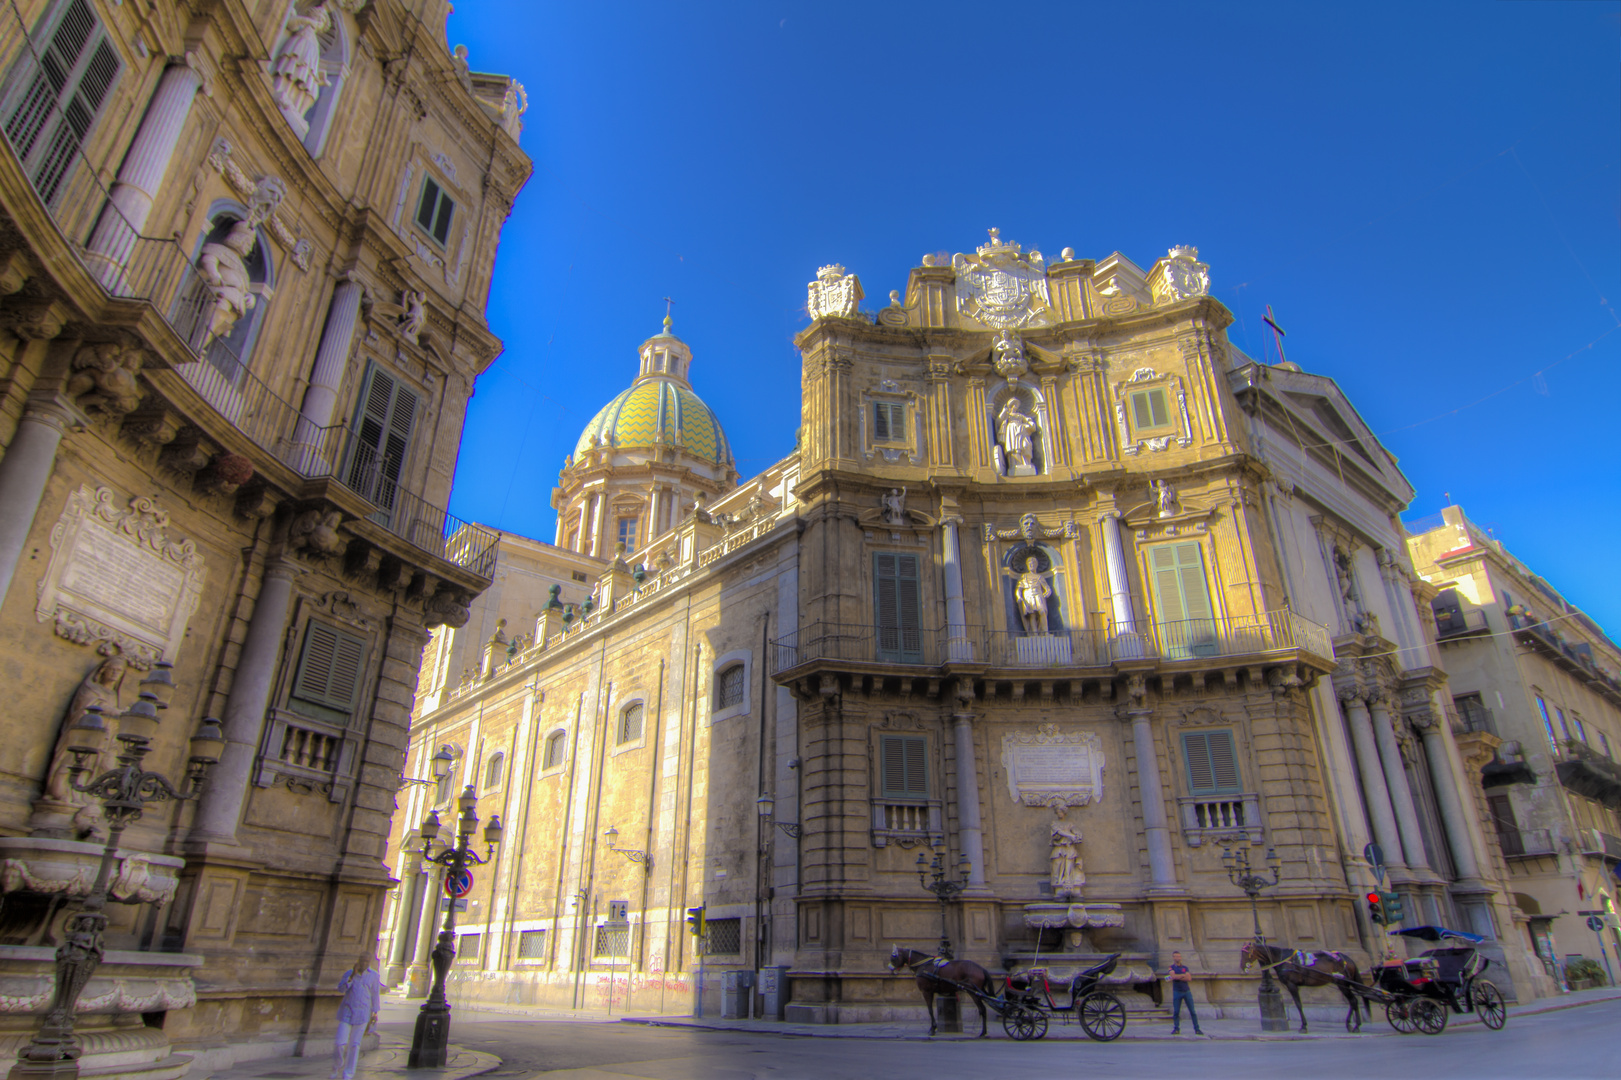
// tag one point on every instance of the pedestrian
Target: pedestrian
(1182, 991)
(357, 1015)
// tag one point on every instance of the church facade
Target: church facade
(1058, 588)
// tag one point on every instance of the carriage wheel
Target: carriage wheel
(1400, 1017)
(1102, 1016)
(1430, 1016)
(1488, 1002)
(1023, 1024)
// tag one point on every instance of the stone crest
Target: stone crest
(1048, 767)
(115, 577)
(1182, 276)
(834, 294)
(1001, 286)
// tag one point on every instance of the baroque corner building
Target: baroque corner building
(241, 318)
(1057, 583)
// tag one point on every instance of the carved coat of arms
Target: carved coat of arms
(834, 294)
(1183, 277)
(1001, 286)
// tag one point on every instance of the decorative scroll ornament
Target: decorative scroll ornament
(834, 294)
(1002, 287)
(1182, 276)
(1049, 767)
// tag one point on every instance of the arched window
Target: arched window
(729, 687)
(556, 747)
(630, 723)
(494, 768)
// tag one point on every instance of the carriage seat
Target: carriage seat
(1451, 964)
(1097, 971)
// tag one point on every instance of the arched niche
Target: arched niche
(1050, 565)
(314, 125)
(1032, 406)
(230, 355)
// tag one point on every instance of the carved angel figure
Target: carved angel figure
(1065, 860)
(1010, 359)
(298, 74)
(1165, 495)
(104, 378)
(224, 270)
(1015, 428)
(410, 314)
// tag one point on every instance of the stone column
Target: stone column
(1445, 782)
(1373, 786)
(1401, 796)
(24, 472)
(1155, 825)
(326, 379)
(220, 808)
(968, 824)
(598, 518)
(130, 202)
(1125, 617)
(957, 644)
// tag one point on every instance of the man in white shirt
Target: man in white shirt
(357, 1014)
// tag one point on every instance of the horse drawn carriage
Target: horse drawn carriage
(1026, 1002)
(1420, 994)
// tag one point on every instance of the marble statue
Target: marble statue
(1065, 859)
(298, 74)
(1165, 496)
(1014, 430)
(895, 506)
(224, 270)
(1010, 358)
(1031, 592)
(100, 687)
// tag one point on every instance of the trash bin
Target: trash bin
(736, 992)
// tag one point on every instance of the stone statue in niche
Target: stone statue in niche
(1165, 496)
(1031, 591)
(224, 269)
(1068, 877)
(61, 811)
(1010, 358)
(298, 75)
(895, 507)
(1016, 448)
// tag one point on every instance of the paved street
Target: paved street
(1575, 1042)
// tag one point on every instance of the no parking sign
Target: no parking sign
(458, 883)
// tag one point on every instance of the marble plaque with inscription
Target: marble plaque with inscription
(116, 577)
(1048, 767)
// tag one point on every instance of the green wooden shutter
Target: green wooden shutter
(1182, 611)
(329, 668)
(51, 118)
(381, 441)
(1212, 762)
(1148, 409)
(905, 767)
(898, 607)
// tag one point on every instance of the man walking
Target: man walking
(1182, 991)
(357, 1013)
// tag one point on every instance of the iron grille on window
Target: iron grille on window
(630, 724)
(729, 687)
(556, 746)
(723, 937)
(467, 946)
(612, 941)
(532, 945)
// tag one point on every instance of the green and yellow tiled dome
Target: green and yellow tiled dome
(658, 411)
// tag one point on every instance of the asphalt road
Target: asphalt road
(1569, 1043)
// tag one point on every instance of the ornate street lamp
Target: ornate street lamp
(441, 763)
(1238, 872)
(431, 1039)
(767, 804)
(612, 837)
(124, 792)
(944, 890)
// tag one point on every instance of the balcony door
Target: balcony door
(1183, 619)
(380, 442)
(55, 100)
(898, 607)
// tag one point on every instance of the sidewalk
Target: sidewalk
(387, 1062)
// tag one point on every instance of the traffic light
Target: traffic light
(1394, 911)
(1376, 910)
(695, 921)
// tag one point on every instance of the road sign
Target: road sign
(1376, 859)
(458, 883)
(619, 912)
(1594, 923)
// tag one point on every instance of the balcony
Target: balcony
(1600, 844)
(1224, 820)
(1472, 717)
(1452, 624)
(1193, 643)
(1524, 843)
(1578, 661)
(1589, 773)
(101, 263)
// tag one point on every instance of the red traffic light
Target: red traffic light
(1373, 898)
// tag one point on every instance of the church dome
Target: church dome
(658, 411)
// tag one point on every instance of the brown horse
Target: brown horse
(937, 975)
(1323, 969)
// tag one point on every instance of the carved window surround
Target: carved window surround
(911, 447)
(1221, 819)
(1146, 378)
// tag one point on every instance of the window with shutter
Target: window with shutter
(898, 607)
(1148, 411)
(1182, 613)
(905, 767)
(1547, 724)
(57, 98)
(889, 421)
(1212, 763)
(329, 669)
(435, 210)
(381, 441)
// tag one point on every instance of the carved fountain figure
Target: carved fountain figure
(61, 812)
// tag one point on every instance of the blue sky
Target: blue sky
(1427, 195)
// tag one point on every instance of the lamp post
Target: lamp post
(1270, 997)
(431, 1039)
(124, 792)
(767, 804)
(642, 857)
(943, 889)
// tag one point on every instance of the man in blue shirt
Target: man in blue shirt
(357, 1013)
(1182, 991)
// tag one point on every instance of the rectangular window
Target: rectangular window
(532, 945)
(889, 421)
(1604, 742)
(1564, 725)
(627, 533)
(1212, 762)
(57, 98)
(630, 723)
(1149, 411)
(1508, 830)
(329, 670)
(898, 607)
(380, 442)
(434, 210)
(729, 686)
(723, 937)
(1182, 612)
(611, 942)
(467, 947)
(905, 767)
(1581, 732)
(556, 748)
(1547, 724)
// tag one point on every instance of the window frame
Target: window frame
(558, 737)
(1547, 723)
(891, 431)
(906, 639)
(442, 197)
(914, 753)
(634, 522)
(721, 665)
(381, 489)
(1149, 394)
(498, 762)
(1215, 789)
(537, 934)
(1192, 640)
(622, 740)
